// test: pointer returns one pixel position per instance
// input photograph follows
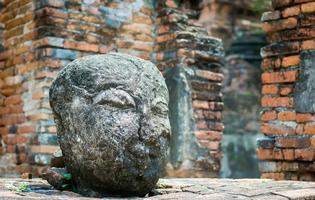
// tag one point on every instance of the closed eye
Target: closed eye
(114, 98)
(160, 108)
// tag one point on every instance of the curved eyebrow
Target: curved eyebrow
(114, 97)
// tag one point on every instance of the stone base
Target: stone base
(258, 189)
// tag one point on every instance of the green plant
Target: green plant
(23, 188)
(67, 176)
(68, 185)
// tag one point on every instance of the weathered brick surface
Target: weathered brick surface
(289, 132)
(187, 189)
(184, 189)
(200, 56)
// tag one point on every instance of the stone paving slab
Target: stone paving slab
(190, 189)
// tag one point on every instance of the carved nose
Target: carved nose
(145, 110)
(145, 115)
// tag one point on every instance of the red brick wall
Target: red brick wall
(17, 61)
(288, 150)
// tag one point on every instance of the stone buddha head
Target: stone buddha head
(111, 113)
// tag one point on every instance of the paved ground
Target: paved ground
(190, 189)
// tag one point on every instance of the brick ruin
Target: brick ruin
(191, 62)
(288, 148)
(241, 98)
(239, 26)
(40, 36)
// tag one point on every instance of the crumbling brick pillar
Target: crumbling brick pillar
(288, 117)
(191, 62)
(216, 16)
(17, 62)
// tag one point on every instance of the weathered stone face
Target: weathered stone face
(111, 113)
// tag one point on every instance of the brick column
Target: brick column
(288, 149)
(16, 63)
(226, 19)
(216, 15)
(191, 62)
